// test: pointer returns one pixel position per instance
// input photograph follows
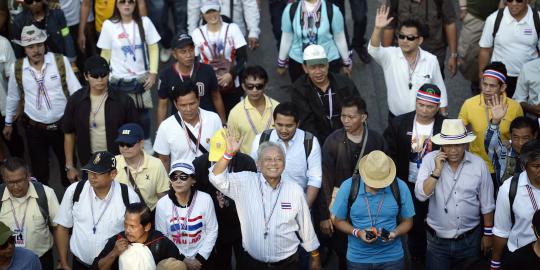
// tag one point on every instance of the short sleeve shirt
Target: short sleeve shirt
(125, 43)
(203, 76)
(377, 252)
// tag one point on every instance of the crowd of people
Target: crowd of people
(237, 179)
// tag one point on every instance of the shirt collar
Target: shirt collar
(30, 193)
(47, 61)
(508, 18)
(292, 140)
(108, 196)
(266, 184)
(362, 189)
(422, 54)
(483, 102)
(267, 104)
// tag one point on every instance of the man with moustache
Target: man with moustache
(138, 234)
(42, 92)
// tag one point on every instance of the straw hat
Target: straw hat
(377, 169)
(453, 131)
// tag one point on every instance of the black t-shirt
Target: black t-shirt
(161, 247)
(203, 76)
(523, 258)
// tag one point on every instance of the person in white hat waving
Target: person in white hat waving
(460, 193)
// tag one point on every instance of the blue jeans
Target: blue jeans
(392, 265)
(158, 11)
(445, 254)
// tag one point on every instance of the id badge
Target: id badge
(20, 237)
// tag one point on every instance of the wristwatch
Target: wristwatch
(67, 168)
(434, 176)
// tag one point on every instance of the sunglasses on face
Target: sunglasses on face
(9, 241)
(99, 75)
(181, 176)
(519, 1)
(128, 145)
(258, 86)
(29, 2)
(409, 38)
(131, 2)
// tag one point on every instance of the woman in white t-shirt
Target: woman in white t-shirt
(130, 43)
(223, 46)
(187, 216)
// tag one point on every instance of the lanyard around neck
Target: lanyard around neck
(381, 200)
(250, 121)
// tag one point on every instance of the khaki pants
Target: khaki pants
(468, 47)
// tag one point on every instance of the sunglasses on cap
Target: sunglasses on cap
(258, 86)
(131, 2)
(181, 176)
(9, 241)
(29, 2)
(99, 75)
(409, 38)
(128, 145)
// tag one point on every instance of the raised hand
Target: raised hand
(381, 19)
(234, 141)
(498, 108)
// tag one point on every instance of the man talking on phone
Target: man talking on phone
(460, 193)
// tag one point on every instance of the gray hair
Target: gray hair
(530, 152)
(265, 145)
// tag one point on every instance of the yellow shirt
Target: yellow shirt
(239, 119)
(103, 10)
(473, 113)
(37, 236)
(151, 178)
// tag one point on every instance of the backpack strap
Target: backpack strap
(536, 19)
(265, 136)
(397, 196)
(18, 79)
(125, 194)
(231, 8)
(292, 11)
(353, 193)
(2, 189)
(512, 196)
(78, 190)
(330, 14)
(497, 24)
(308, 143)
(59, 59)
(42, 200)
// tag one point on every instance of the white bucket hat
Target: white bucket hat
(30, 35)
(453, 131)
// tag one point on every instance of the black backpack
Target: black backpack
(308, 140)
(80, 186)
(355, 187)
(329, 12)
(499, 17)
(42, 200)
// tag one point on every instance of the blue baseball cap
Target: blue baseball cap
(130, 133)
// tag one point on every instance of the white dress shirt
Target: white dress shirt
(53, 86)
(401, 99)
(255, 199)
(297, 168)
(172, 139)
(521, 233)
(7, 58)
(82, 215)
(515, 43)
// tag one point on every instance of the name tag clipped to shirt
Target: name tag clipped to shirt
(528, 31)
(20, 237)
(54, 77)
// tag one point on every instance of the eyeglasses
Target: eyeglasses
(258, 86)
(99, 75)
(409, 38)
(181, 176)
(128, 145)
(130, 2)
(9, 241)
(510, 1)
(17, 182)
(29, 2)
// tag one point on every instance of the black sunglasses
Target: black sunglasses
(258, 86)
(126, 1)
(9, 241)
(99, 75)
(29, 2)
(181, 176)
(409, 38)
(510, 1)
(128, 145)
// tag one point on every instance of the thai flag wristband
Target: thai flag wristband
(488, 231)
(355, 233)
(282, 63)
(228, 156)
(495, 264)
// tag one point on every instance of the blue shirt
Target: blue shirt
(24, 259)
(377, 252)
(324, 37)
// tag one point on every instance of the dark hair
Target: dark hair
(536, 222)
(14, 163)
(530, 152)
(256, 72)
(142, 209)
(183, 88)
(420, 28)
(357, 102)
(117, 18)
(497, 66)
(524, 122)
(287, 109)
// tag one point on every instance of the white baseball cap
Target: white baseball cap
(210, 5)
(315, 55)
